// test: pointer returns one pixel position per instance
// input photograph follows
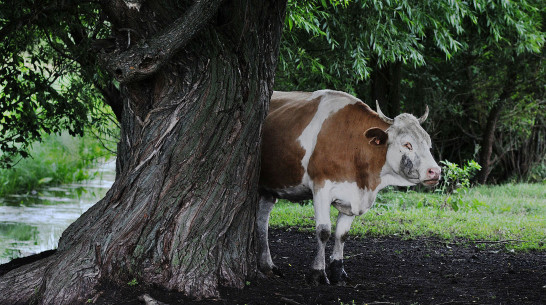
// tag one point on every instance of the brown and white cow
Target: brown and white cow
(331, 147)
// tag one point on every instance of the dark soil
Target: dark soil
(381, 271)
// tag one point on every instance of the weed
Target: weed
(457, 181)
(132, 282)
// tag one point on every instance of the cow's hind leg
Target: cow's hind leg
(323, 231)
(265, 263)
(337, 273)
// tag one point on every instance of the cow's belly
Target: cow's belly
(346, 197)
(295, 193)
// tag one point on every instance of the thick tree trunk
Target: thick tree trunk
(180, 214)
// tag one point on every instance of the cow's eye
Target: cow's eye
(408, 146)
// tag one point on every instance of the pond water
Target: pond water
(33, 223)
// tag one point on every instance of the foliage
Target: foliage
(456, 180)
(49, 79)
(537, 173)
(341, 42)
(511, 215)
(57, 160)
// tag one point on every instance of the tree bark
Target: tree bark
(181, 212)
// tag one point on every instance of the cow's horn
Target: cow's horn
(424, 117)
(383, 117)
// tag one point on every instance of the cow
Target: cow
(331, 147)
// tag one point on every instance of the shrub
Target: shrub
(456, 180)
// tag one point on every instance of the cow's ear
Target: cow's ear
(376, 136)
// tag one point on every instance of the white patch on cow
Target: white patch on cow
(330, 102)
(265, 263)
(389, 177)
(343, 226)
(347, 197)
(350, 200)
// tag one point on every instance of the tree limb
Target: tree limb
(144, 59)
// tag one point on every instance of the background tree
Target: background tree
(192, 86)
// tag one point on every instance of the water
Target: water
(30, 224)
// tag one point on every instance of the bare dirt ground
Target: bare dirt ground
(381, 271)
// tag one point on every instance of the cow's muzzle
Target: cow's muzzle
(431, 182)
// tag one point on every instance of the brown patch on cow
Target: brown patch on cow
(289, 114)
(343, 153)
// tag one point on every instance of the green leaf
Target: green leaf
(44, 180)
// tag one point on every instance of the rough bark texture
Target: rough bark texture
(180, 214)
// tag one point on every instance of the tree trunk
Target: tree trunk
(487, 142)
(488, 137)
(380, 87)
(394, 92)
(181, 212)
(385, 87)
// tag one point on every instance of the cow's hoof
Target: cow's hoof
(270, 272)
(317, 277)
(338, 276)
(276, 271)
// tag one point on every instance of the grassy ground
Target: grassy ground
(512, 215)
(58, 159)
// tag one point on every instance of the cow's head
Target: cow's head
(408, 149)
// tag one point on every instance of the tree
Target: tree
(192, 86)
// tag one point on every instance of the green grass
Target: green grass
(512, 215)
(57, 159)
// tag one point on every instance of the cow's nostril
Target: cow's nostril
(433, 173)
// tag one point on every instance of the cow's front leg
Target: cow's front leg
(323, 230)
(265, 263)
(337, 273)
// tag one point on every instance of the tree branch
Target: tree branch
(144, 59)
